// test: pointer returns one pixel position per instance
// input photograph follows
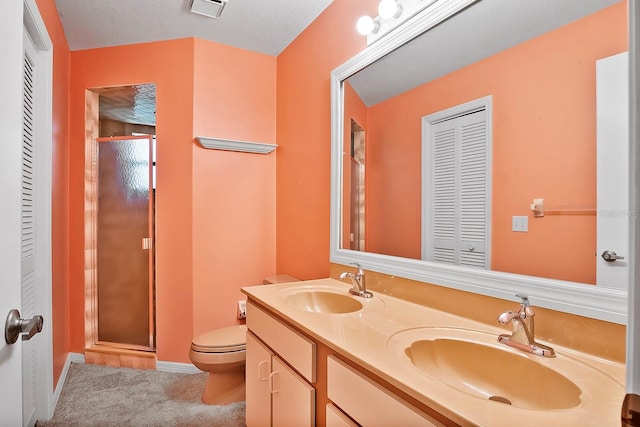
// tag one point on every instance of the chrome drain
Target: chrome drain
(500, 399)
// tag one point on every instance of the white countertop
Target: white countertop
(375, 337)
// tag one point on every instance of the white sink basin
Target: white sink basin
(328, 298)
(473, 362)
(323, 302)
(493, 373)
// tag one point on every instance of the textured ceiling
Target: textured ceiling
(256, 25)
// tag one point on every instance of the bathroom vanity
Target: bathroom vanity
(317, 355)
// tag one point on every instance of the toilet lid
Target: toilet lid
(231, 338)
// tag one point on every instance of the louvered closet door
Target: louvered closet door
(458, 203)
(444, 209)
(29, 295)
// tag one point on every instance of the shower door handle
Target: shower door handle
(16, 326)
(147, 243)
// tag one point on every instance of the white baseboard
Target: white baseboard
(76, 357)
(71, 357)
(183, 368)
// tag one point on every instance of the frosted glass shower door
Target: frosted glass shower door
(125, 236)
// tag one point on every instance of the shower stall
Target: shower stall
(125, 243)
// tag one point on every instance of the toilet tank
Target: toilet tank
(280, 278)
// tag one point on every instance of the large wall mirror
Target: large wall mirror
(446, 130)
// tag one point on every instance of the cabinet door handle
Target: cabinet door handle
(262, 364)
(271, 389)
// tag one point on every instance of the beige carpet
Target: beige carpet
(95, 395)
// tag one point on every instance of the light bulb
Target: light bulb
(389, 9)
(366, 25)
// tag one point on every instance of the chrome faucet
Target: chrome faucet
(523, 337)
(358, 281)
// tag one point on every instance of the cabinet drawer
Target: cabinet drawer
(335, 417)
(295, 348)
(367, 402)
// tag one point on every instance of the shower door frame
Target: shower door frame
(147, 244)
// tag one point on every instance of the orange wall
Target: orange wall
(304, 137)
(215, 211)
(200, 92)
(59, 184)
(233, 193)
(170, 66)
(555, 161)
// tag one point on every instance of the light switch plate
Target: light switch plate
(520, 224)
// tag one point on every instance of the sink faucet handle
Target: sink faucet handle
(525, 306)
(524, 300)
(359, 271)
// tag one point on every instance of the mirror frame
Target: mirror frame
(571, 297)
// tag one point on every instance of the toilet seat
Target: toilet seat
(223, 340)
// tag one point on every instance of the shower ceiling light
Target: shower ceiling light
(210, 8)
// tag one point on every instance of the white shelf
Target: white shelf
(231, 145)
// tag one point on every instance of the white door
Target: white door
(612, 118)
(10, 181)
(26, 367)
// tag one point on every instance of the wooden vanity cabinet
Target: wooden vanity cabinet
(258, 396)
(336, 418)
(277, 395)
(282, 388)
(367, 402)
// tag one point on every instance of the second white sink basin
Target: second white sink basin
(494, 374)
(473, 362)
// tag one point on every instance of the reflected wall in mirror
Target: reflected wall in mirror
(537, 63)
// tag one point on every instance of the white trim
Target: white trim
(233, 145)
(633, 328)
(590, 301)
(182, 368)
(63, 377)
(71, 358)
(76, 358)
(410, 29)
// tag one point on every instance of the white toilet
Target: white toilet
(222, 353)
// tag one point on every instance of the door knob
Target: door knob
(610, 256)
(16, 326)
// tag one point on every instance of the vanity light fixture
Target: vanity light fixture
(389, 9)
(210, 8)
(367, 25)
(391, 13)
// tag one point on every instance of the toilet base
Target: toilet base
(223, 388)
